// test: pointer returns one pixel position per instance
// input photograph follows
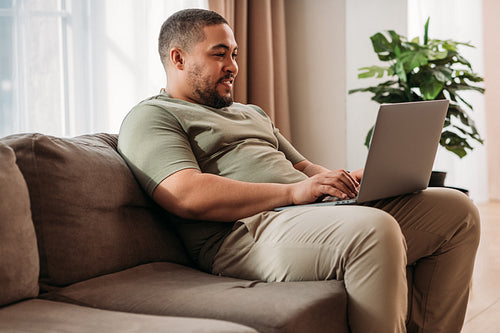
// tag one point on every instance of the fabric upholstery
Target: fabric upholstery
(90, 215)
(175, 290)
(46, 316)
(19, 266)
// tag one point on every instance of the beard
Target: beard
(205, 91)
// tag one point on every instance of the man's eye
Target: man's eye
(235, 55)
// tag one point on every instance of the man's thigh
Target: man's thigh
(428, 218)
(305, 243)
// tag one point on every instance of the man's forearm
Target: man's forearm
(194, 195)
(309, 168)
(201, 196)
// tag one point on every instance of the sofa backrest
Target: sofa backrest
(18, 252)
(90, 215)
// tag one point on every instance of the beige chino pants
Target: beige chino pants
(369, 247)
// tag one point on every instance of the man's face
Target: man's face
(211, 68)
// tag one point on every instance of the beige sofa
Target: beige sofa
(83, 249)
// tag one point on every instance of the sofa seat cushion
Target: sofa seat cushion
(91, 217)
(46, 316)
(175, 290)
(19, 266)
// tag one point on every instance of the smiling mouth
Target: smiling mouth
(227, 81)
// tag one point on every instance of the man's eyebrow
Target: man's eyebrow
(223, 46)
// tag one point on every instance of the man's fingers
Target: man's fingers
(339, 183)
(334, 192)
(350, 182)
(343, 181)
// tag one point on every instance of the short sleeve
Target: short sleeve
(154, 145)
(284, 145)
(288, 149)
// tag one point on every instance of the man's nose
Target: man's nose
(232, 66)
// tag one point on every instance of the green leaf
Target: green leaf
(466, 75)
(369, 137)
(463, 61)
(429, 86)
(397, 39)
(431, 89)
(464, 86)
(459, 151)
(382, 47)
(442, 74)
(413, 59)
(400, 71)
(426, 31)
(467, 125)
(373, 71)
(455, 143)
(437, 55)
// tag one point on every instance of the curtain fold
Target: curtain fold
(259, 29)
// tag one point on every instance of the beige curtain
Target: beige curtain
(259, 29)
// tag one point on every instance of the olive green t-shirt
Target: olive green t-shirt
(162, 135)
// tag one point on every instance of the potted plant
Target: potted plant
(433, 69)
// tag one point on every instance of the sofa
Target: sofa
(84, 249)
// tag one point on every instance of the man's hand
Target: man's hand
(337, 183)
(357, 174)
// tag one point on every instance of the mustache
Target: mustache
(227, 77)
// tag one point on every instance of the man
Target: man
(221, 167)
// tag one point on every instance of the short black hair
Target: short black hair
(184, 29)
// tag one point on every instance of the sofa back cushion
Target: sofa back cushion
(90, 215)
(18, 251)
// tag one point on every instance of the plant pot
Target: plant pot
(437, 179)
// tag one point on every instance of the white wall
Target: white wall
(364, 18)
(327, 41)
(316, 74)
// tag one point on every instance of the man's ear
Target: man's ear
(177, 58)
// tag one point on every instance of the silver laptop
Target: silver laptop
(402, 151)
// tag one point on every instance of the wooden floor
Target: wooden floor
(483, 313)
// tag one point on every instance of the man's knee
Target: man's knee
(381, 233)
(457, 209)
(467, 215)
(388, 231)
(379, 254)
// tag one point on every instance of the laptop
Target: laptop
(401, 154)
